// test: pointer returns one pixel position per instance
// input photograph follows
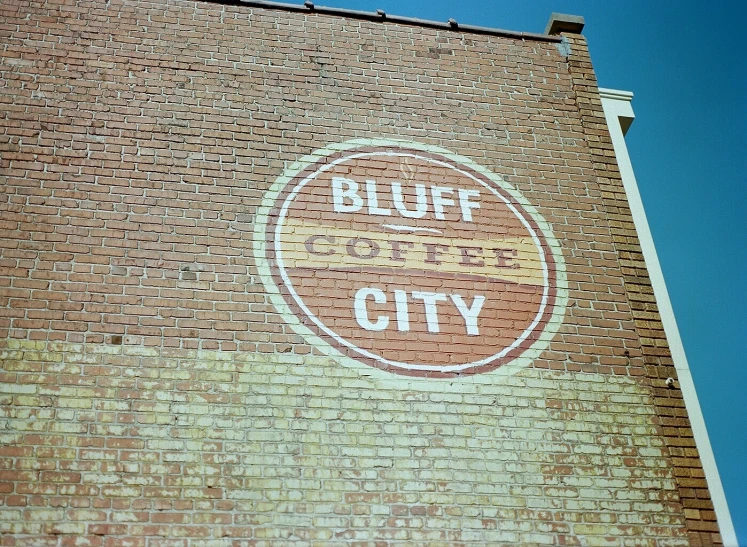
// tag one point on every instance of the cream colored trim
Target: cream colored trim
(619, 114)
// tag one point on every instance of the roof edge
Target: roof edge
(380, 16)
(616, 94)
(563, 22)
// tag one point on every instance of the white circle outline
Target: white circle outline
(290, 173)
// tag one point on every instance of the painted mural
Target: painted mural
(411, 259)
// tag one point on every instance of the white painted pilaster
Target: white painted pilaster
(619, 114)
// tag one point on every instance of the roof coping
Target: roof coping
(379, 15)
(561, 22)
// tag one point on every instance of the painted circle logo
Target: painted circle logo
(410, 259)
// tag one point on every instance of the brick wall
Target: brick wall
(669, 403)
(153, 391)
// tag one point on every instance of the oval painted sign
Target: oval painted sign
(410, 259)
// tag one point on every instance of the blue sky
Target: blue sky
(684, 61)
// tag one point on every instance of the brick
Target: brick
(152, 394)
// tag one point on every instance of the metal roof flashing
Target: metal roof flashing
(380, 16)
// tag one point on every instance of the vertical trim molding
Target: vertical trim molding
(619, 115)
